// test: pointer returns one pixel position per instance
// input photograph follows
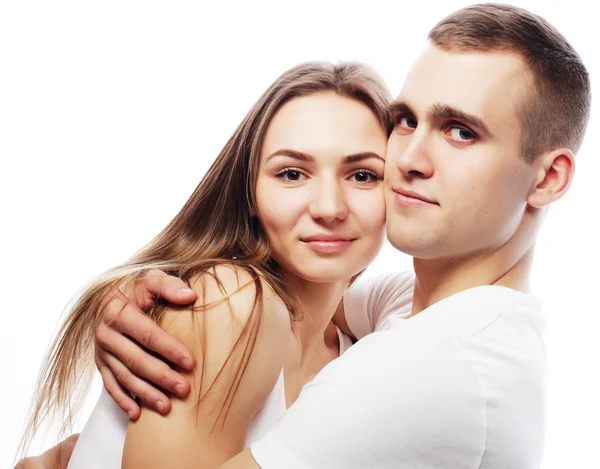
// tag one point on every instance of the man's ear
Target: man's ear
(554, 175)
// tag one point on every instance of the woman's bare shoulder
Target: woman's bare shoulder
(228, 297)
(239, 331)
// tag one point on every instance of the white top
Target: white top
(460, 385)
(100, 445)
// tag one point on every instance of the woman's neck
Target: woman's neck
(319, 302)
(316, 341)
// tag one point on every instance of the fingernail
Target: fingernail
(186, 363)
(184, 292)
(160, 406)
(179, 389)
(130, 413)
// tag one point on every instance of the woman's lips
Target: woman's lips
(328, 245)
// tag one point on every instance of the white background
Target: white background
(110, 112)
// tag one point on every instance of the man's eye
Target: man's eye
(407, 122)
(460, 134)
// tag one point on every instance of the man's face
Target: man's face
(456, 144)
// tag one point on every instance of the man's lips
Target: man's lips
(412, 199)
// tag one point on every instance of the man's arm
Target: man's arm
(124, 335)
(123, 327)
(391, 401)
(339, 319)
(396, 399)
(368, 302)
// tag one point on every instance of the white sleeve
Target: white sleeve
(368, 302)
(391, 401)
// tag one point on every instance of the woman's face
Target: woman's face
(319, 189)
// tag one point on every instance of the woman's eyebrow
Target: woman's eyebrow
(356, 157)
(292, 154)
(298, 155)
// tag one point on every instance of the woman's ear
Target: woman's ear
(554, 175)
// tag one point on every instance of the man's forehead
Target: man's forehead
(488, 84)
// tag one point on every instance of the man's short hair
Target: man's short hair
(557, 111)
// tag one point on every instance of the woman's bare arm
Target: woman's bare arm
(194, 435)
(56, 457)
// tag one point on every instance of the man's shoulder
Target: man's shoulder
(481, 310)
(494, 332)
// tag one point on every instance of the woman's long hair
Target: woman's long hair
(217, 225)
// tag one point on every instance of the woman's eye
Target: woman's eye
(364, 177)
(461, 134)
(291, 175)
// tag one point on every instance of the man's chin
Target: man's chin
(415, 245)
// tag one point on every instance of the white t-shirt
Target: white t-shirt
(101, 443)
(460, 385)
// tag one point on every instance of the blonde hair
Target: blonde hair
(215, 226)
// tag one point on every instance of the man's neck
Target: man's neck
(439, 279)
(508, 265)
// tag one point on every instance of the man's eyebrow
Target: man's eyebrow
(298, 155)
(444, 111)
(400, 107)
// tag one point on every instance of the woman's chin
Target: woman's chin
(324, 273)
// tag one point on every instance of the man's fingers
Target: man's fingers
(114, 389)
(141, 363)
(148, 394)
(150, 335)
(160, 285)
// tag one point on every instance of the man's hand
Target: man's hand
(123, 327)
(55, 458)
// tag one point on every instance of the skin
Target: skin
(486, 203)
(56, 457)
(127, 317)
(329, 183)
(320, 180)
(474, 176)
(331, 195)
(319, 198)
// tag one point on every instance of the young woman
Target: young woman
(288, 215)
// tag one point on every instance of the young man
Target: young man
(487, 125)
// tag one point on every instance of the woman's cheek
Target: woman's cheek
(280, 209)
(369, 208)
(375, 225)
